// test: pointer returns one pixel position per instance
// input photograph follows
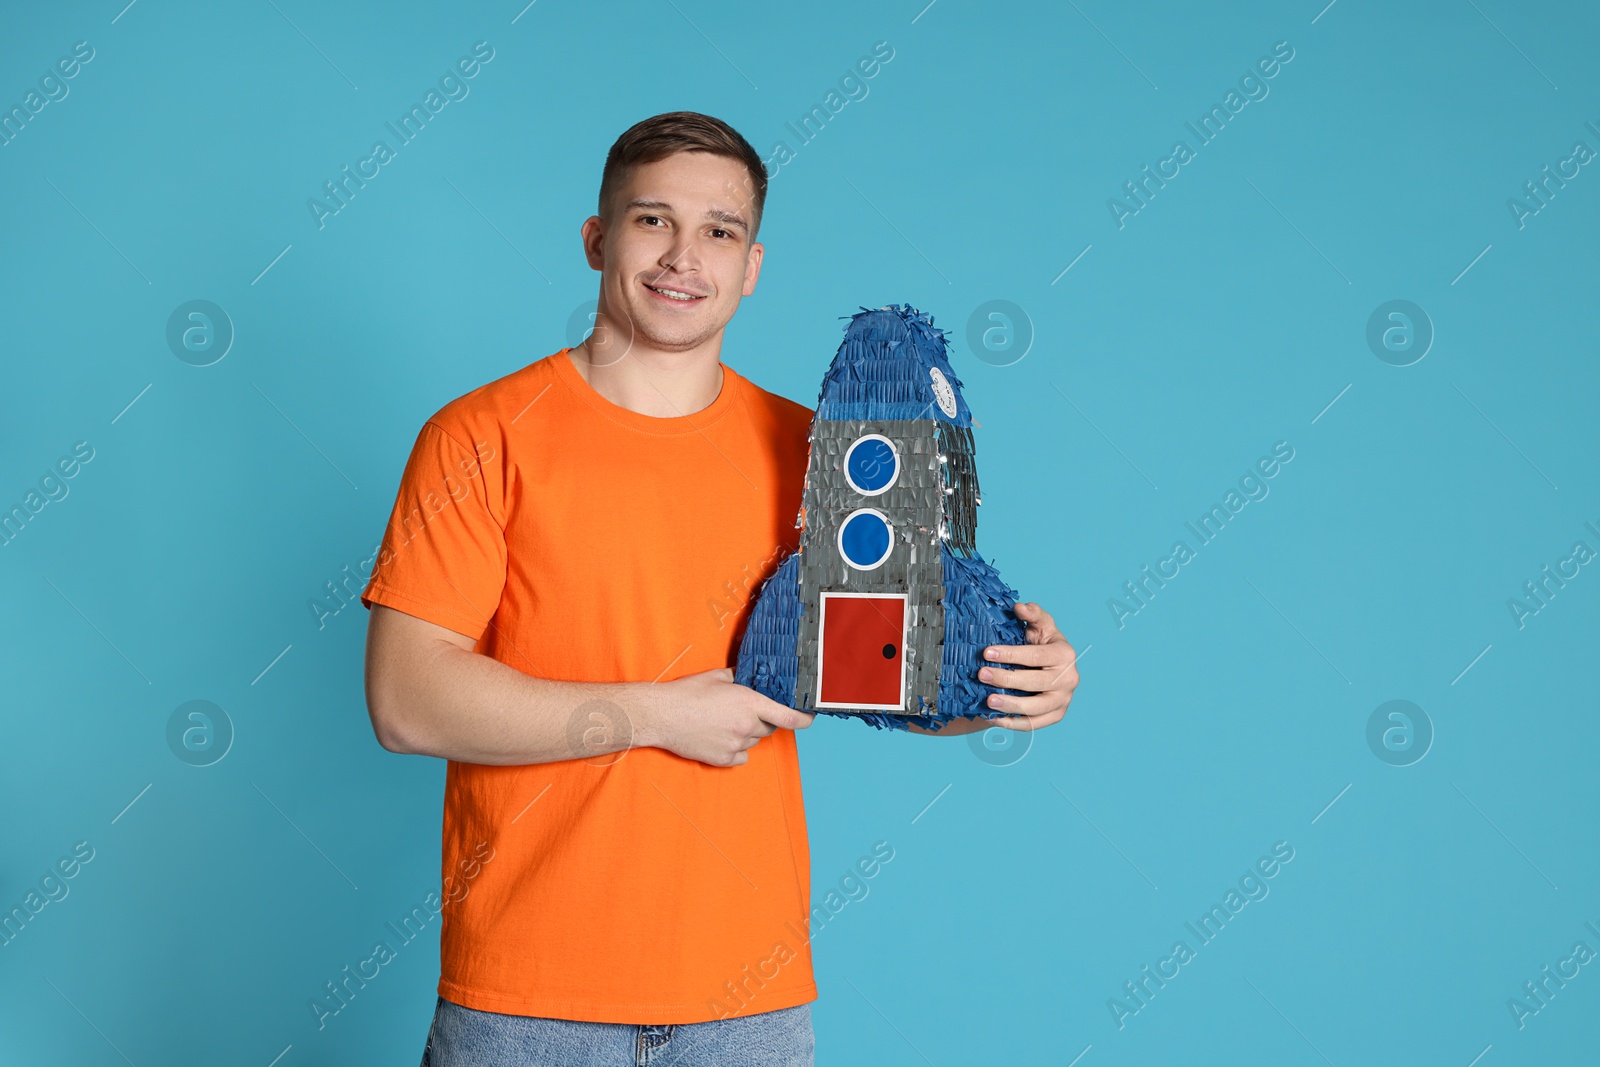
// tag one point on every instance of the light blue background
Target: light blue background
(1227, 315)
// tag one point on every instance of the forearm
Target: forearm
(457, 704)
(953, 728)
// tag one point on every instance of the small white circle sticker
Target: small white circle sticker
(942, 392)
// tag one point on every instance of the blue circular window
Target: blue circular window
(871, 464)
(864, 539)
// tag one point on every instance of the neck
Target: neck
(659, 384)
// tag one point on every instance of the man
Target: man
(625, 855)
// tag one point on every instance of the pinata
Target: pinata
(884, 611)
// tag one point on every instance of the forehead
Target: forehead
(692, 181)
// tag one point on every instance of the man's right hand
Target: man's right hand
(711, 718)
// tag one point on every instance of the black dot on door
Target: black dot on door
(888, 652)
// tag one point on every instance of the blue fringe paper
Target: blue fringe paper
(769, 652)
(881, 369)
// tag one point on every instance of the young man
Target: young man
(556, 609)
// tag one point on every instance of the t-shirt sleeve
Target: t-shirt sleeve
(443, 554)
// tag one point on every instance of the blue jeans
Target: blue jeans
(466, 1037)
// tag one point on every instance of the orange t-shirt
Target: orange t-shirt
(575, 539)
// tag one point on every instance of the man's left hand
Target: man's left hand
(1047, 667)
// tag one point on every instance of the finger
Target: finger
(1033, 707)
(1064, 680)
(1055, 655)
(778, 715)
(1030, 679)
(1026, 723)
(1041, 624)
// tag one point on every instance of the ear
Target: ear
(593, 232)
(752, 268)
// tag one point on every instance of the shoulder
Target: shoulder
(782, 415)
(485, 413)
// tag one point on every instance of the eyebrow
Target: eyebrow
(730, 218)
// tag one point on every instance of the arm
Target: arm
(430, 694)
(954, 728)
(1049, 669)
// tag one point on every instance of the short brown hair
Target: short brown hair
(663, 135)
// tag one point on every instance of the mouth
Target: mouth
(668, 295)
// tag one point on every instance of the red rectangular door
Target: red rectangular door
(862, 651)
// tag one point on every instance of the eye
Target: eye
(725, 233)
(646, 218)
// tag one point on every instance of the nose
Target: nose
(681, 257)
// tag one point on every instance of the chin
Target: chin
(677, 334)
(678, 339)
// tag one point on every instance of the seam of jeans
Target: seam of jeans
(427, 1047)
(651, 1039)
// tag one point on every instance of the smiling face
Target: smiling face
(676, 253)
